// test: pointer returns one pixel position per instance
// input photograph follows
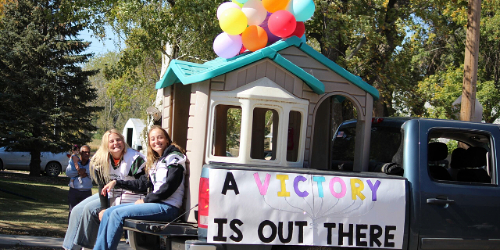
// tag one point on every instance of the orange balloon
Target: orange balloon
(275, 5)
(254, 38)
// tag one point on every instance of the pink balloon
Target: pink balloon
(227, 46)
(225, 6)
(282, 23)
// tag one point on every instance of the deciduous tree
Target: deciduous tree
(364, 37)
(122, 97)
(441, 56)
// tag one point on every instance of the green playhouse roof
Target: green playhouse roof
(188, 73)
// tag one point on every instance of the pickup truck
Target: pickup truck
(294, 179)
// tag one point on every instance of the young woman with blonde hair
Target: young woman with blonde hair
(114, 160)
(166, 173)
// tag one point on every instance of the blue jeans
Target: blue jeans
(111, 228)
(83, 224)
(76, 196)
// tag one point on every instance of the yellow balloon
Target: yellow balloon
(233, 21)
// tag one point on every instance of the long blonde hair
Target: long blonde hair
(152, 156)
(100, 161)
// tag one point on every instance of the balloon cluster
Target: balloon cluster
(254, 24)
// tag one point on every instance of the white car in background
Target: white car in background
(51, 163)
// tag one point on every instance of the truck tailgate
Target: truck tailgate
(161, 228)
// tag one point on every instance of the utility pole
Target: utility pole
(467, 108)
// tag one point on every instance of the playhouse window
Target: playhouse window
(226, 132)
(293, 136)
(264, 134)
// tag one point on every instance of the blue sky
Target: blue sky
(99, 47)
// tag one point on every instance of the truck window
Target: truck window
(226, 132)
(384, 143)
(343, 144)
(460, 156)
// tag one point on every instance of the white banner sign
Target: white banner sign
(250, 207)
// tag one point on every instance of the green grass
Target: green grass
(33, 205)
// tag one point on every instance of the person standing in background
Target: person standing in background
(79, 190)
(75, 151)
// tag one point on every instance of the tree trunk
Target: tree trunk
(380, 108)
(35, 151)
(35, 163)
(467, 110)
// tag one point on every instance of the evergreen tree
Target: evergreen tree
(44, 93)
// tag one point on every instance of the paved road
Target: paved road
(35, 241)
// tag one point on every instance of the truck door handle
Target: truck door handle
(439, 201)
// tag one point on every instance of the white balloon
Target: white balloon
(255, 12)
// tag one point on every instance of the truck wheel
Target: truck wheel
(53, 169)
